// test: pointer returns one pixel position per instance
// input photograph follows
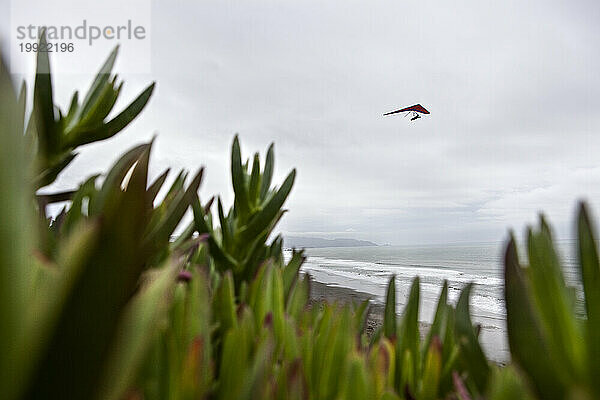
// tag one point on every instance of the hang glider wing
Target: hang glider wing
(416, 108)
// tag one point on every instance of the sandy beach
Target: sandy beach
(322, 292)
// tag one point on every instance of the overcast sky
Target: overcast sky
(513, 88)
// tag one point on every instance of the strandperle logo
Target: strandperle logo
(85, 31)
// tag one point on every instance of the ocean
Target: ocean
(368, 270)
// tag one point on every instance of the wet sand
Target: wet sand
(321, 292)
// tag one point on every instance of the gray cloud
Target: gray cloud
(513, 89)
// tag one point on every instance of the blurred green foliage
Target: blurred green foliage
(99, 302)
(557, 350)
(54, 134)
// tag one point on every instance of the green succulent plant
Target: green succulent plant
(239, 243)
(81, 292)
(55, 134)
(105, 301)
(449, 353)
(556, 349)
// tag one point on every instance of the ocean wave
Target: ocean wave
(376, 270)
(487, 303)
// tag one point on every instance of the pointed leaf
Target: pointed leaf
(104, 131)
(49, 140)
(141, 317)
(158, 183)
(238, 177)
(99, 82)
(15, 217)
(389, 319)
(265, 217)
(253, 189)
(590, 277)
(267, 174)
(528, 347)
(476, 362)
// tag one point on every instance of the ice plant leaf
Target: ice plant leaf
(408, 349)
(471, 351)
(432, 369)
(173, 214)
(240, 186)
(99, 82)
(225, 303)
(527, 344)
(107, 281)
(157, 185)
(102, 131)
(48, 138)
(438, 326)
(553, 303)
(590, 277)
(141, 316)
(253, 188)
(291, 269)
(16, 237)
(389, 320)
(265, 217)
(267, 174)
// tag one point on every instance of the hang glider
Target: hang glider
(416, 110)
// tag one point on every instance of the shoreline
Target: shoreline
(320, 292)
